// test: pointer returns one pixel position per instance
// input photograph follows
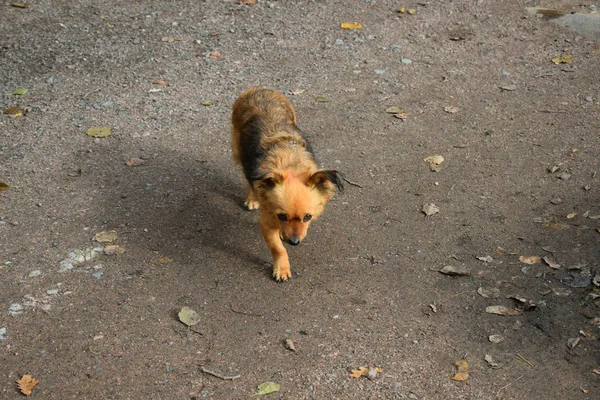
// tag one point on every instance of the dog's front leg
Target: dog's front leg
(281, 263)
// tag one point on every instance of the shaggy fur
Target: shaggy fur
(283, 178)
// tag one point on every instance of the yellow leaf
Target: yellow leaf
(99, 132)
(321, 99)
(20, 91)
(351, 25)
(463, 368)
(401, 10)
(13, 110)
(268, 387)
(26, 384)
(19, 5)
(411, 11)
(357, 373)
(4, 187)
(563, 59)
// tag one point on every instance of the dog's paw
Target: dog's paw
(252, 205)
(282, 273)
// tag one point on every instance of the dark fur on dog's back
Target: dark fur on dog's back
(283, 178)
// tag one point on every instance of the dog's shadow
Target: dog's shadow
(173, 205)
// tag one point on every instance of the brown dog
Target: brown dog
(283, 178)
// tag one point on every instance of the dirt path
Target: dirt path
(519, 136)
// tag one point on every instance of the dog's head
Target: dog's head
(293, 200)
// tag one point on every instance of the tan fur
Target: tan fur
(290, 182)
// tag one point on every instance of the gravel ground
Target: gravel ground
(476, 84)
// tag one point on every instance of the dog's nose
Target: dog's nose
(293, 241)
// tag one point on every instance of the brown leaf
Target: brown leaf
(455, 271)
(247, 2)
(501, 310)
(551, 263)
(12, 110)
(530, 259)
(113, 250)
(213, 55)
(26, 384)
(363, 371)
(4, 187)
(106, 236)
(134, 162)
(289, 344)
(463, 368)
(160, 82)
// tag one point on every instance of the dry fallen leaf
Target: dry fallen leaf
(351, 25)
(463, 371)
(113, 249)
(4, 187)
(488, 358)
(455, 271)
(551, 263)
(501, 310)
(160, 82)
(572, 215)
(26, 384)
(563, 59)
(402, 116)
(247, 2)
(99, 132)
(596, 371)
(496, 338)
(213, 55)
(267, 387)
(134, 162)
(19, 5)
(207, 103)
(164, 260)
(106, 236)
(12, 110)
(489, 292)
(451, 109)
(296, 92)
(430, 209)
(289, 344)
(530, 259)
(322, 99)
(573, 342)
(394, 110)
(363, 371)
(188, 316)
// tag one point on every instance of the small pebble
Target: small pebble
(556, 201)
(35, 273)
(406, 61)
(380, 71)
(339, 42)
(52, 292)
(2, 333)
(505, 74)
(15, 309)
(589, 99)
(98, 275)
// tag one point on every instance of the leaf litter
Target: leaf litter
(106, 236)
(351, 25)
(370, 373)
(430, 209)
(502, 310)
(188, 316)
(530, 260)
(434, 162)
(455, 271)
(99, 132)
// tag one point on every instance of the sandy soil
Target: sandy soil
(520, 139)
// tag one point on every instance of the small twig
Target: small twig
(351, 183)
(525, 360)
(225, 378)
(544, 75)
(91, 349)
(244, 312)
(504, 387)
(88, 93)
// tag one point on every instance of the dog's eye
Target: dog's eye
(282, 217)
(307, 218)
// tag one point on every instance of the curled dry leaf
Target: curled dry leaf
(455, 271)
(170, 39)
(394, 110)
(160, 82)
(351, 25)
(434, 162)
(486, 259)
(19, 5)
(489, 292)
(14, 110)
(213, 55)
(247, 2)
(530, 259)
(207, 103)
(4, 187)
(322, 99)
(502, 310)
(488, 359)
(573, 342)
(289, 344)
(551, 263)
(463, 371)
(26, 384)
(106, 236)
(572, 215)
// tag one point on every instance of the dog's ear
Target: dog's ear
(326, 180)
(269, 181)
